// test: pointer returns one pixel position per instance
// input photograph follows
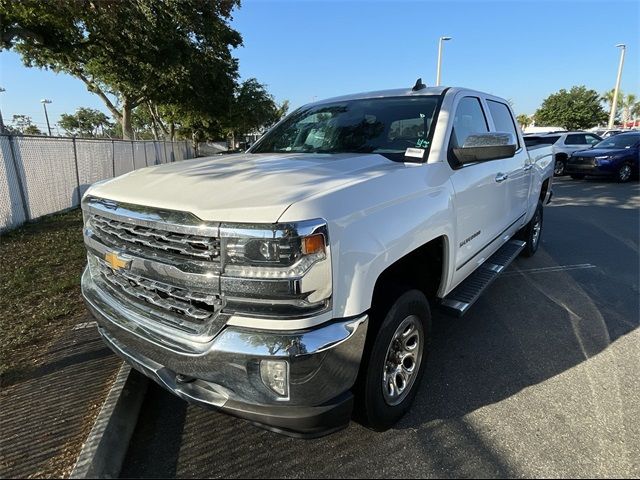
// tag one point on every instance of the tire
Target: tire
(623, 174)
(577, 176)
(558, 168)
(532, 232)
(388, 385)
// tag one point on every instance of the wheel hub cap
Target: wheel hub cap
(403, 359)
(625, 172)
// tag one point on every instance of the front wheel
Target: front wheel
(390, 376)
(532, 232)
(624, 173)
(558, 169)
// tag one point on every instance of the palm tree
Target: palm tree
(629, 106)
(524, 120)
(607, 98)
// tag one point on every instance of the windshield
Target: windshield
(619, 141)
(387, 126)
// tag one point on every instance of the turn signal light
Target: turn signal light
(313, 244)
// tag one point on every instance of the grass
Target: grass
(40, 268)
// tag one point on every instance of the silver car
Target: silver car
(564, 144)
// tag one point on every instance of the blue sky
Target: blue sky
(305, 50)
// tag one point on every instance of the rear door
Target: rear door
(517, 168)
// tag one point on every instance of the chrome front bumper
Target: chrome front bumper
(224, 373)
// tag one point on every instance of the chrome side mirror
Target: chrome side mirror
(481, 147)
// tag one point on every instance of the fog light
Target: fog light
(275, 375)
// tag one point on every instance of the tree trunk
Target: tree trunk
(172, 131)
(127, 128)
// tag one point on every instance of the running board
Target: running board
(464, 295)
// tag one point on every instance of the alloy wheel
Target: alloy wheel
(403, 360)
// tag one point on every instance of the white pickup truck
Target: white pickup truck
(293, 284)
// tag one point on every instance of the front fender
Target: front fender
(376, 222)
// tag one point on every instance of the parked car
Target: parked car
(617, 156)
(606, 133)
(293, 283)
(564, 144)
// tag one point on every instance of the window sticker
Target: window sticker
(422, 143)
(414, 152)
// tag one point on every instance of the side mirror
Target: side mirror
(481, 147)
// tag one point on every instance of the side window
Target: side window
(575, 139)
(592, 139)
(503, 119)
(469, 119)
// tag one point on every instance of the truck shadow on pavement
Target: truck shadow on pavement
(532, 325)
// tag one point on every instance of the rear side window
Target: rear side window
(503, 119)
(469, 120)
(532, 141)
(575, 139)
(592, 139)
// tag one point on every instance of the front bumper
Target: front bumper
(224, 373)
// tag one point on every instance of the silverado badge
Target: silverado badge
(115, 261)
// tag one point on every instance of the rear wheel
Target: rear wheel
(624, 173)
(391, 370)
(577, 176)
(532, 232)
(558, 169)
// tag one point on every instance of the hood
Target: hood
(244, 187)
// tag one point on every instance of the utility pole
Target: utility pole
(614, 104)
(44, 103)
(1, 121)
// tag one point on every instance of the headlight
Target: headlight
(281, 270)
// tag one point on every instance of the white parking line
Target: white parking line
(556, 268)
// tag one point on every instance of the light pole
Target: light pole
(614, 105)
(1, 121)
(44, 102)
(442, 39)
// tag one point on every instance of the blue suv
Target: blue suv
(617, 156)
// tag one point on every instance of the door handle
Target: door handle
(528, 167)
(501, 177)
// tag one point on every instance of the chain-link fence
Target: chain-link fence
(43, 175)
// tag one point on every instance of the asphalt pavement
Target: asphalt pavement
(541, 378)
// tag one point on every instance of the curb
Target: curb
(106, 446)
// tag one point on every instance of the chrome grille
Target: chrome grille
(116, 232)
(185, 304)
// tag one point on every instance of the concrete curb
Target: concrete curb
(106, 446)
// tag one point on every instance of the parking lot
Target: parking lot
(539, 379)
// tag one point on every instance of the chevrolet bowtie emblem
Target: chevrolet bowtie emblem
(115, 261)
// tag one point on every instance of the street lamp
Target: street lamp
(614, 105)
(44, 102)
(442, 39)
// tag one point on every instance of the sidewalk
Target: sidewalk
(45, 418)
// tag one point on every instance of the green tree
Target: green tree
(86, 122)
(174, 52)
(607, 98)
(23, 125)
(630, 107)
(524, 120)
(253, 109)
(575, 109)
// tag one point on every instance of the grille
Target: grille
(585, 161)
(182, 303)
(116, 232)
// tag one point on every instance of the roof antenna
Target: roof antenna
(419, 85)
